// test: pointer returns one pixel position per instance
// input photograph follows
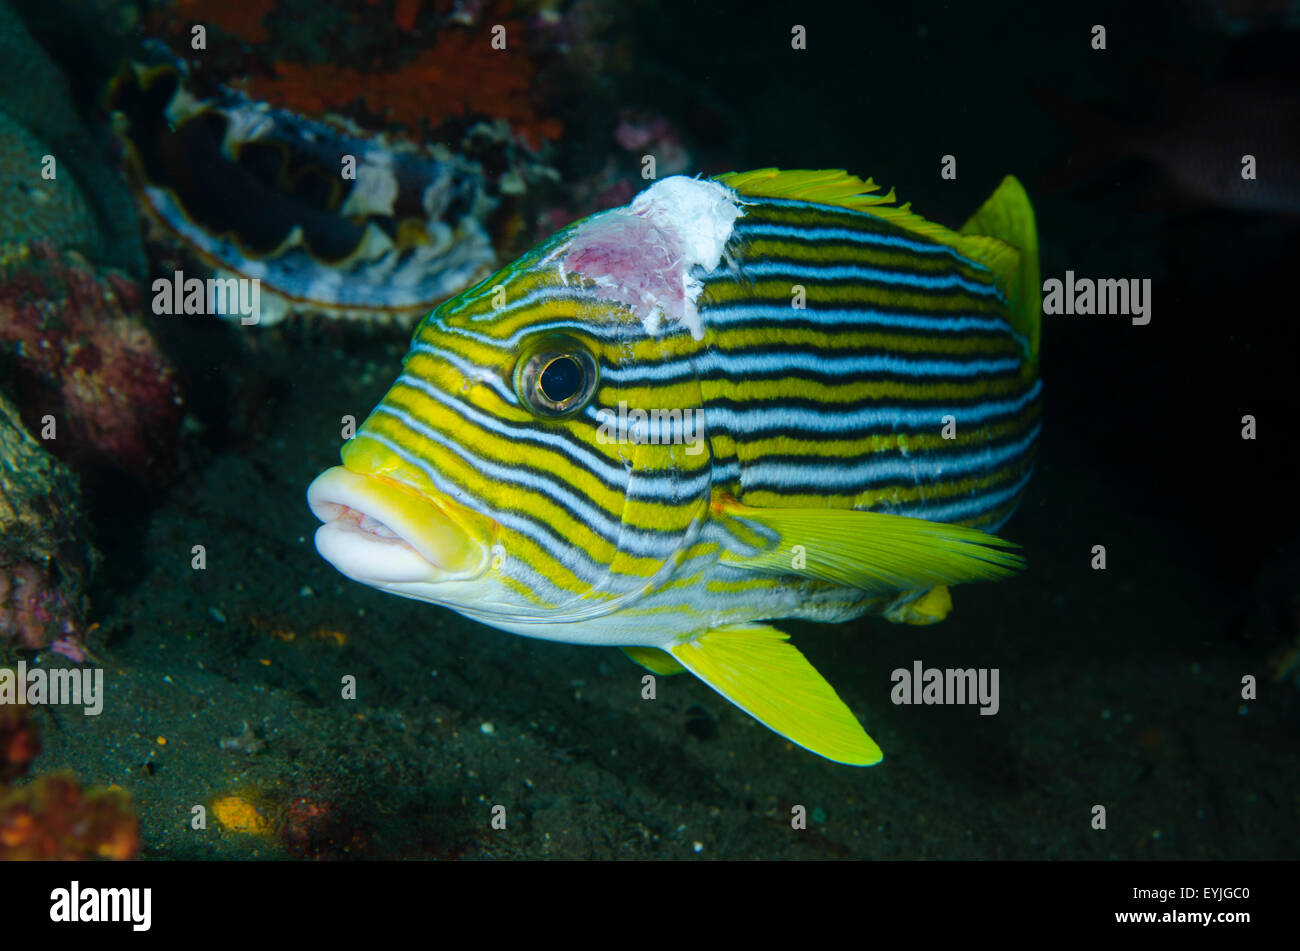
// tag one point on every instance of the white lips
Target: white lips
(370, 558)
(379, 534)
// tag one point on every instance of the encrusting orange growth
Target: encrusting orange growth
(462, 75)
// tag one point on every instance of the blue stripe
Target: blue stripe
(570, 555)
(857, 421)
(742, 363)
(905, 468)
(745, 228)
(646, 543)
(969, 508)
(800, 273)
(740, 312)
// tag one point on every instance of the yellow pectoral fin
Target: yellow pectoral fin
(873, 551)
(655, 660)
(755, 668)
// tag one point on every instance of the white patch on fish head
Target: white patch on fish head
(645, 254)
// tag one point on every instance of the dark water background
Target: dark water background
(1119, 687)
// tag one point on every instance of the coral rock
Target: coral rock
(83, 356)
(45, 561)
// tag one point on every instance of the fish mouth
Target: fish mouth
(385, 533)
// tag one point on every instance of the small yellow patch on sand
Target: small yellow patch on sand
(236, 814)
(328, 634)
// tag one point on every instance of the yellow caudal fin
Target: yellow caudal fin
(874, 552)
(1008, 217)
(1001, 235)
(756, 668)
(655, 660)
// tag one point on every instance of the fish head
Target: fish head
(541, 461)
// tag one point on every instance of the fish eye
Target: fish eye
(557, 378)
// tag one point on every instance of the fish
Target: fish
(759, 396)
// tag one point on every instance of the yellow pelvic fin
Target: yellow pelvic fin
(871, 550)
(930, 608)
(755, 668)
(655, 660)
(1001, 235)
(1008, 217)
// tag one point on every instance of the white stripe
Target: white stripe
(968, 507)
(872, 239)
(745, 363)
(658, 485)
(920, 469)
(609, 329)
(633, 541)
(861, 421)
(572, 557)
(471, 371)
(799, 272)
(864, 318)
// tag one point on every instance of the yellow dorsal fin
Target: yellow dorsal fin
(755, 668)
(1001, 235)
(837, 188)
(874, 552)
(826, 186)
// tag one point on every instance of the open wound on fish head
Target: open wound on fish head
(645, 255)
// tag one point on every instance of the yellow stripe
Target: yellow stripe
(854, 294)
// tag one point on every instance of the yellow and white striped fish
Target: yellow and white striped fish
(765, 395)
